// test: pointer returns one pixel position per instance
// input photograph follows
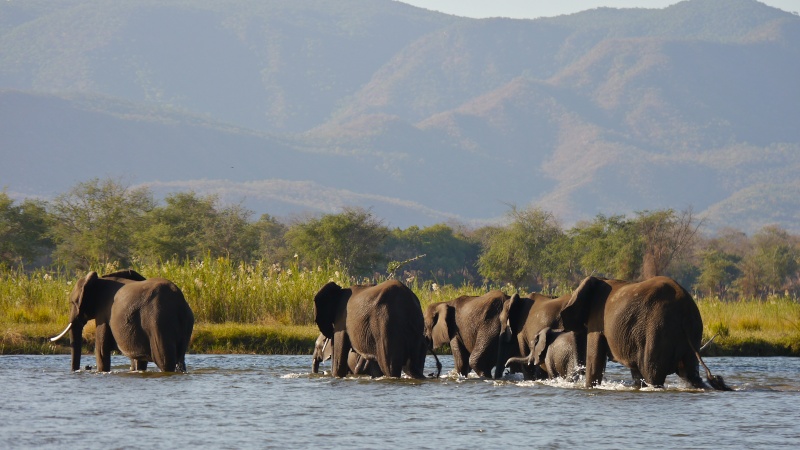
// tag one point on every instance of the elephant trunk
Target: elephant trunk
(315, 365)
(76, 341)
(522, 360)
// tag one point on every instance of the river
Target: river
(255, 401)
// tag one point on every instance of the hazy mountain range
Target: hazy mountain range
(307, 106)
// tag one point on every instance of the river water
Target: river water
(250, 401)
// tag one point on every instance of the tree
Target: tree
(190, 226)
(718, 270)
(271, 236)
(449, 256)
(665, 234)
(771, 263)
(608, 246)
(518, 253)
(23, 231)
(95, 222)
(353, 237)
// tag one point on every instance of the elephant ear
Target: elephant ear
(82, 303)
(575, 313)
(540, 346)
(511, 313)
(326, 303)
(442, 328)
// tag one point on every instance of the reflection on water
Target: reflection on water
(246, 401)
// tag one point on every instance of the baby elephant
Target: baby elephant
(357, 364)
(556, 354)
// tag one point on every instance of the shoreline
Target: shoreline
(238, 338)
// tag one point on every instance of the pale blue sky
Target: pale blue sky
(529, 9)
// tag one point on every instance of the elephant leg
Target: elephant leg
(341, 348)
(596, 357)
(164, 352)
(415, 364)
(655, 370)
(638, 378)
(482, 359)
(689, 370)
(138, 365)
(460, 357)
(103, 346)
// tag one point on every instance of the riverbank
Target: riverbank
(237, 338)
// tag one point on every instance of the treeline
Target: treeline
(102, 221)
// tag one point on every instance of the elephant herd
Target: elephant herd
(652, 327)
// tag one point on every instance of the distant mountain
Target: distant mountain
(307, 106)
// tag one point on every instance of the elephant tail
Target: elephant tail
(438, 364)
(715, 381)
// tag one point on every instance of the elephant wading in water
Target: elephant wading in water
(652, 327)
(521, 321)
(356, 364)
(471, 325)
(146, 320)
(556, 354)
(382, 323)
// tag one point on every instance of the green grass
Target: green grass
(752, 327)
(268, 309)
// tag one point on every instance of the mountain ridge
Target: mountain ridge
(419, 115)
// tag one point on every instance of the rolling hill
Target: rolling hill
(307, 106)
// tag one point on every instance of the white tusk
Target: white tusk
(325, 345)
(62, 333)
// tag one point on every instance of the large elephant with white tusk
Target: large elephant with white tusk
(145, 319)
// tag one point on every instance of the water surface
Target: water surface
(254, 401)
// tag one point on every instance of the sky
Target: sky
(531, 9)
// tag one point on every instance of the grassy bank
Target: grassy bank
(267, 309)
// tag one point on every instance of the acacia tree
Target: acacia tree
(608, 246)
(271, 237)
(95, 222)
(518, 253)
(353, 237)
(771, 263)
(23, 231)
(191, 226)
(449, 256)
(718, 270)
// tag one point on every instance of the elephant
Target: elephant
(471, 325)
(653, 327)
(356, 364)
(521, 321)
(145, 319)
(556, 354)
(383, 323)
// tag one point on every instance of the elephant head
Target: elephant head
(510, 324)
(330, 308)
(84, 306)
(440, 324)
(540, 344)
(584, 309)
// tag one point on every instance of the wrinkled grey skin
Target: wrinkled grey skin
(556, 354)
(356, 364)
(145, 319)
(521, 321)
(382, 323)
(471, 325)
(652, 327)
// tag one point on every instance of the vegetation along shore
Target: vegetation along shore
(251, 283)
(269, 310)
